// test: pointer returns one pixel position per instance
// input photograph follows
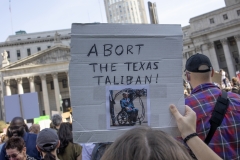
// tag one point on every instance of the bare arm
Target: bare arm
(187, 125)
(79, 157)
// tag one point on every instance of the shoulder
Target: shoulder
(77, 146)
(32, 135)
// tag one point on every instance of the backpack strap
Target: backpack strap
(217, 115)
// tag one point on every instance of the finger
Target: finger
(190, 111)
(175, 111)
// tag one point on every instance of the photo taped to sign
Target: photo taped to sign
(127, 106)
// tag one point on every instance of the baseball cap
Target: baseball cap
(195, 61)
(47, 140)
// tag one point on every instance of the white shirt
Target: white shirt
(87, 149)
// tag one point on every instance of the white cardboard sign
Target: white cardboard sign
(21, 105)
(109, 61)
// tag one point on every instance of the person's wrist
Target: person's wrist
(186, 133)
(190, 136)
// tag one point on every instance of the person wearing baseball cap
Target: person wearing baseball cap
(47, 143)
(202, 100)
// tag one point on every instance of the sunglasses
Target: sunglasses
(12, 155)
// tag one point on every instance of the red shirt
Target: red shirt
(226, 140)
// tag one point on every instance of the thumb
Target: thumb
(175, 111)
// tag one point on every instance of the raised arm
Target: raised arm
(187, 125)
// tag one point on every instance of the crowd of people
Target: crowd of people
(231, 85)
(53, 143)
(146, 143)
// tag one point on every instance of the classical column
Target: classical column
(56, 90)
(45, 94)
(228, 57)
(31, 83)
(213, 55)
(67, 73)
(237, 38)
(19, 85)
(8, 88)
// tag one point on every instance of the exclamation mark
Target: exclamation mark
(157, 79)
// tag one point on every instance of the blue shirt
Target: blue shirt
(30, 142)
(125, 102)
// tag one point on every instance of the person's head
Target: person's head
(35, 128)
(15, 149)
(125, 94)
(65, 136)
(198, 70)
(144, 143)
(56, 120)
(235, 81)
(3, 138)
(47, 143)
(17, 127)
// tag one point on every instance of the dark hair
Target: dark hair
(15, 142)
(144, 143)
(65, 136)
(49, 156)
(22, 121)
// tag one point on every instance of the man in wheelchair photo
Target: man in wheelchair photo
(127, 106)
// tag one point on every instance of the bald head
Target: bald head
(197, 78)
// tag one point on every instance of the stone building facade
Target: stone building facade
(44, 71)
(39, 61)
(217, 35)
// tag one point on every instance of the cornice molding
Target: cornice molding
(30, 41)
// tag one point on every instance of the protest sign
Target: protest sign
(110, 61)
(24, 105)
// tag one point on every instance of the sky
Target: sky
(46, 15)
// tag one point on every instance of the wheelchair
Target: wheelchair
(124, 118)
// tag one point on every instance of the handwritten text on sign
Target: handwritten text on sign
(119, 50)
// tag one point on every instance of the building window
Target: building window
(238, 12)
(48, 36)
(52, 85)
(232, 42)
(222, 58)
(48, 46)
(64, 83)
(28, 51)
(38, 37)
(211, 20)
(38, 48)
(225, 16)
(18, 54)
(219, 46)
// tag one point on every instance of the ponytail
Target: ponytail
(49, 156)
